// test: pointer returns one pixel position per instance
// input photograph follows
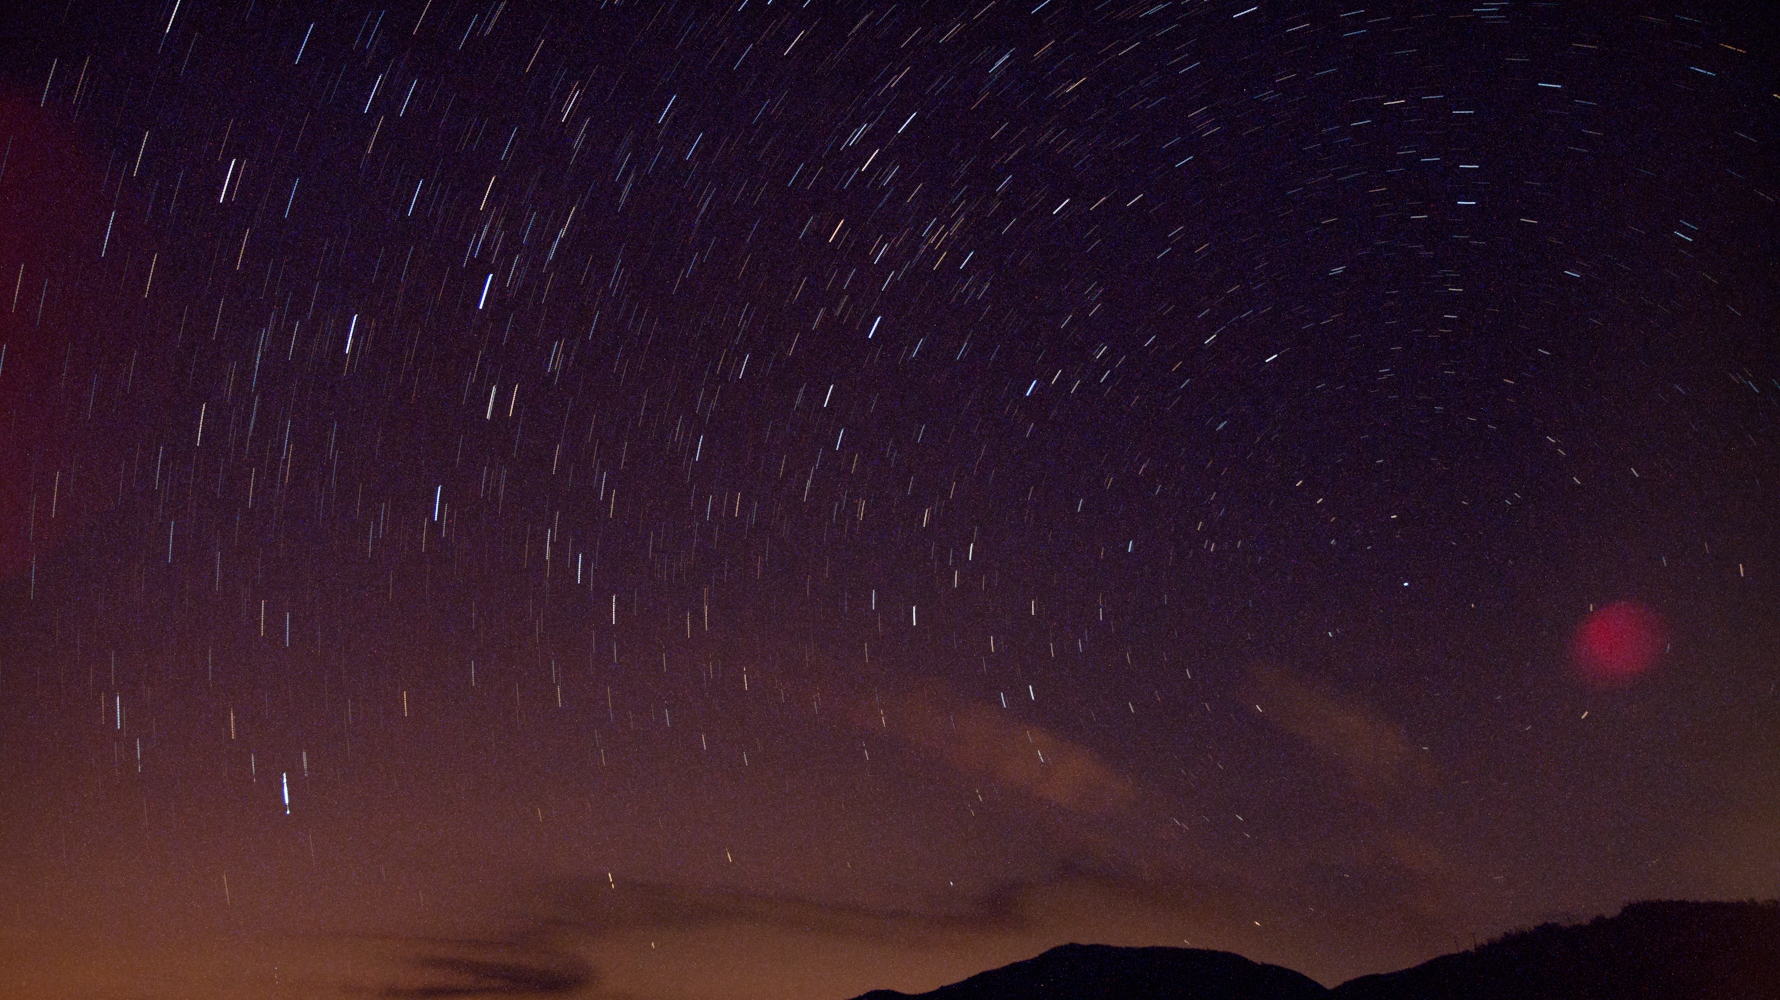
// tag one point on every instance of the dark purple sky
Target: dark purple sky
(779, 499)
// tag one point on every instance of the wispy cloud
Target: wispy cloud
(458, 975)
(588, 940)
(1375, 752)
(984, 743)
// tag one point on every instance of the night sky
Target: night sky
(776, 499)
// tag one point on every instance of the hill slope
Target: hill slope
(1103, 972)
(1654, 950)
(1669, 950)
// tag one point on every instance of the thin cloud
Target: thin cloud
(991, 744)
(1375, 752)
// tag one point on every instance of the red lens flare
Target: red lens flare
(1617, 643)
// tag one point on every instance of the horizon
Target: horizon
(553, 961)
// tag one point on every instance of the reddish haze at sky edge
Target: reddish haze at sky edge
(1617, 643)
(48, 217)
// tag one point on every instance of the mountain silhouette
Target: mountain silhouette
(1105, 972)
(1660, 950)
(1656, 950)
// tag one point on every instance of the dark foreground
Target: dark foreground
(1654, 950)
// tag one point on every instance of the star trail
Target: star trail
(787, 498)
